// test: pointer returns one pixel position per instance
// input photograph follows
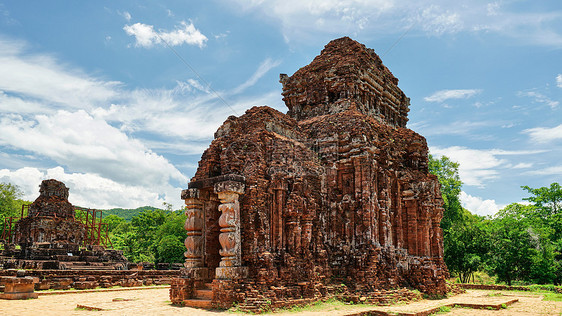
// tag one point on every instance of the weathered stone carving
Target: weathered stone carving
(194, 227)
(229, 237)
(336, 191)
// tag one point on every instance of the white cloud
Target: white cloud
(194, 84)
(477, 167)
(550, 171)
(537, 28)
(463, 128)
(101, 132)
(10, 104)
(146, 36)
(91, 190)
(304, 20)
(125, 15)
(443, 95)
(264, 67)
(183, 112)
(479, 206)
(559, 80)
(523, 165)
(437, 21)
(85, 143)
(41, 77)
(539, 98)
(545, 134)
(222, 35)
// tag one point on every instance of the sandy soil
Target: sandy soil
(156, 302)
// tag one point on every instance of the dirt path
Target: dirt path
(156, 302)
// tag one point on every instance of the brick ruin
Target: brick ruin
(337, 191)
(50, 237)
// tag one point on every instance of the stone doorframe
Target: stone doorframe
(228, 188)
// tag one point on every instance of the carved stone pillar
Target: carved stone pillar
(194, 243)
(230, 266)
(307, 234)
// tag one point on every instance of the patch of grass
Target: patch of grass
(442, 310)
(504, 306)
(544, 287)
(552, 297)
(235, 310)
(330, 304)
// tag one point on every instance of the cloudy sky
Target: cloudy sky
(118, 99)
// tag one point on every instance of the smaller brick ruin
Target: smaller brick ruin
(50, 237)
(290, 207)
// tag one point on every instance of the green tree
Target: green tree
(447, 173)
(154, 235)
(521, 247)
(547, 201)
(465, 242)
(10, 202)
(546, 198)
(170, 249)
(114, 222)
(171, 236)
(466, 247)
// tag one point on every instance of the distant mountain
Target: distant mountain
(127, 214)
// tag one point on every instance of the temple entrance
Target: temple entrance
(213, 228)
(213, 235)
(211, 231)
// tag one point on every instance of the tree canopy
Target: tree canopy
(10, 202)
(447, 173)
(521, 242)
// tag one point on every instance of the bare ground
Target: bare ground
(156, 302)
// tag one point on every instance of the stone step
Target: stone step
(204, 294)
(198, 303)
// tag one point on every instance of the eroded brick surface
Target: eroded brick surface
(336, 191)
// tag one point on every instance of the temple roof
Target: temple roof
(346, 75)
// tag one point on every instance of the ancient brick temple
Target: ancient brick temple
(336, 191)
(50, 237)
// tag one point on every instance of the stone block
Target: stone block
(18, 288)
(231, 273)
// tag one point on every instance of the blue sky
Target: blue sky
(91, 95)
